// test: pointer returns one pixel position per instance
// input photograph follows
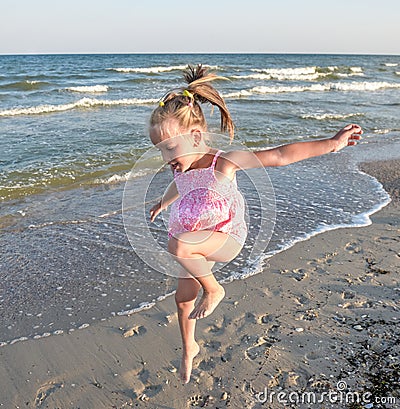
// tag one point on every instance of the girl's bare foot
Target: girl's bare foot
(187, 362)
(208, 303)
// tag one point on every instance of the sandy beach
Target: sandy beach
(322, 316)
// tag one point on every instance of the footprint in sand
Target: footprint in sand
(45, 391)
(327, 258)
(260, 349)
(219, 326)
(137, 330)
(348, 295)
(298, 274)
(301, 299)
(241, 322)
(207, 365)
(152, 390)
(226, 357)
(213, 345)
(265, 319)
(358, 304)
(214, 329)
(353, 247)
(200, 400)
(308, 315)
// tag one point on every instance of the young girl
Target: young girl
(207, 222)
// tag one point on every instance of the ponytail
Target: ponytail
(184, 104)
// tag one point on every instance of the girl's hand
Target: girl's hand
(347, 136)
(155, 210)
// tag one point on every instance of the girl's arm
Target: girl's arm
(294, 152)
(169, 197)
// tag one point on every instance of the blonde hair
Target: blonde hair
(184, 104)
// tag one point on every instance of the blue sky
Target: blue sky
(270, 26)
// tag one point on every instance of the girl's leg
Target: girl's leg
(185, 298)
(194, 250)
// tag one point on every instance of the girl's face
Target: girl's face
(179, 148)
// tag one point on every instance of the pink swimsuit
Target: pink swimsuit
(206, 203)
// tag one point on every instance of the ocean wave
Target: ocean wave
(382, 131)
(329, 86)
(157, 70)
(390, 64)
(89, 88)
(113, 179)
(82, 103)
(24, 85)
(363, 86)
(281, 77)
(282, 89)
(149, 70)
(322, 117)
(287, 71)
(239, 94)
(302, 73)
(354, 74)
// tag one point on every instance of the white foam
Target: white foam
(354, 74)
(142, 306)
(390, 64)
(113, 179)
(21, 339)
(328, 86)
(149, 70)
(382, 131)
(287, 71)
(282, 89)
(123, 178)
(322, 117)
(239, 94)
(363, 86)
(89, 89)
(300, 73)
(82, 103)
(156, 70)
(282, 77)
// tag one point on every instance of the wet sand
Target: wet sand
(324, 311)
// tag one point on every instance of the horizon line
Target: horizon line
(196, 53)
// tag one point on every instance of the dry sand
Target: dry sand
(324, 311)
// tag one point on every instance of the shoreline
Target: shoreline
(285, 328)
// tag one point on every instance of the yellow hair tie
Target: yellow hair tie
(186, 93)
(161, 103)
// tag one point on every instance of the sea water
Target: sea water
(73, 126)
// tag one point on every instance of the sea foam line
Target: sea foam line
(82, 103)
(333, 86)
(89, 88)
(321, 117)
(305, 72)
(156, 70)
(281, 77)
(149, 70)
(359, 220)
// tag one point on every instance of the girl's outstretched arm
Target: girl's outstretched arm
(294, 152)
